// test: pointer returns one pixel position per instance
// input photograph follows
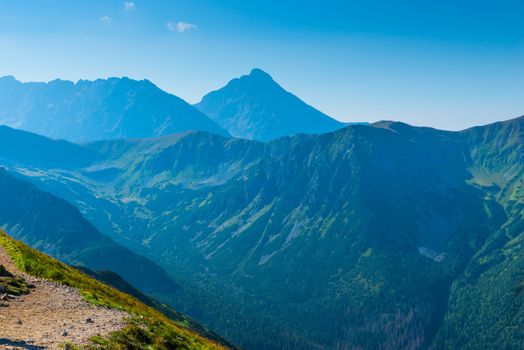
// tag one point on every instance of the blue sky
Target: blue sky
(446, 64)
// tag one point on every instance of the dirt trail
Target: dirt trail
(51, 315)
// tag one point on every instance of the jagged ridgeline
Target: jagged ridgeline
(383, 236)
(143, 326)
(97, 110)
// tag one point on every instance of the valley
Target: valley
(274, 231)
(261, 175)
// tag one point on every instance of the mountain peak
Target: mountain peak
(8, 77)
(256, 107)
(257, 79)
(257, 73)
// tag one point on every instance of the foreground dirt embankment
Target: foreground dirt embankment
(50, 315)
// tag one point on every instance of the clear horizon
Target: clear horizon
(351, 121)
(446, 65)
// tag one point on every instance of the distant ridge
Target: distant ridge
(100, 109)
(256, 107)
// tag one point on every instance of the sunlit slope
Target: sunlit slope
(146, 326)
(381, 236)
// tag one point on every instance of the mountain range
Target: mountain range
(97, 110)
(379, 236)
(253, 107)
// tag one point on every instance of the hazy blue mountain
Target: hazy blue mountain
(255, 107)
(385, 236)
(96, 110)
(41, 151)
(52, 225)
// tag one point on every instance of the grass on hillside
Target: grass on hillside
(146, 329)
(12, 285)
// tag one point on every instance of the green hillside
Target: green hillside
(486, 300)
(146, 328)
(385, 236)
(57, 228)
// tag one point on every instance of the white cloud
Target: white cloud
(171, 26)
(180, 27)
(183, 26)
(106, 20)
(129, 6)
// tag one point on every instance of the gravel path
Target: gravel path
(51, 315)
